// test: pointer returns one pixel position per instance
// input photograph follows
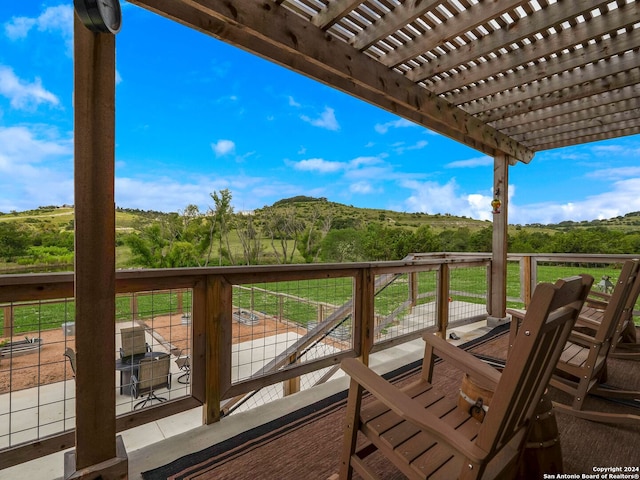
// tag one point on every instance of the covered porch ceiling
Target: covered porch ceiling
(501, 76)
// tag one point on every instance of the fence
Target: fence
(250, 334)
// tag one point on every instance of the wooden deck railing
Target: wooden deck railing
(380, 298)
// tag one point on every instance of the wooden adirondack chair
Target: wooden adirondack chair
(624, 342)
(582, 367)
(581, 370)
(424, 433)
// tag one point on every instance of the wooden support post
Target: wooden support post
(218, 357)
(95, 286)
(442, 300)
(498, 288)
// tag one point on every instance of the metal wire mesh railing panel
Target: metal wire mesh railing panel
(160, 320)
(37, 393)
(404, 303)
(468, 287)
(282, 323)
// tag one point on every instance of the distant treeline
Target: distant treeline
(296, 230)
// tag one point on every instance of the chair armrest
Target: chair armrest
(148, 347)
(465, 361)
(583, 339)
(410, 410)
(517, 313)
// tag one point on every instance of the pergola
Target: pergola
(505, 77)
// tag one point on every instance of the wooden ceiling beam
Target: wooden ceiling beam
(524, 28)
(546, 96)
(273, 32)
(614, 121)
(565, 141)
(624, 17)
(553, 66)
(558, 122)
(446, 31)
(550, 113)
(334, 12)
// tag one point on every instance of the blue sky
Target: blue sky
(195, 115)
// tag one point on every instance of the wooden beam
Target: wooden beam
(94, 142)
(553, 112)
(587, 138)
(625, 16)
(521, 29)
(593, 52)
(334, 12)
(276, 33)
(616, 72)
(447, 31)
(590, 126)
(401, 15)
(595, 115)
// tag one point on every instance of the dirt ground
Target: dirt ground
(49, 365)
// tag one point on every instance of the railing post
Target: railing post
(363, 313)
(442, 299)
(219, 297)
(525, 280)
(292, 385)
(179, 301)
(413, 288)
(8, 321)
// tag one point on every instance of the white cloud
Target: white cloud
(293, 103)
(383, 128)
(363, 188)
(615, 173)
(318, 165)
(36, 168)
(622, 198)
(432, 197)
(57, 20)
(326, 120)
(471, 163)
(21, 94)
(223, 147)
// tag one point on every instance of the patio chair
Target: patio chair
(423, 432)
(183, 361)
(153, 374)
(581, 369)
(71, 355)
(624, 342)
(134, 343)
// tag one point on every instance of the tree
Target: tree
(224, 220)
(250, 239)
(14, 241)
(343, 245)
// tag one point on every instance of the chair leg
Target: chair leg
(185, 377)
(149, 398)
(351, 430)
